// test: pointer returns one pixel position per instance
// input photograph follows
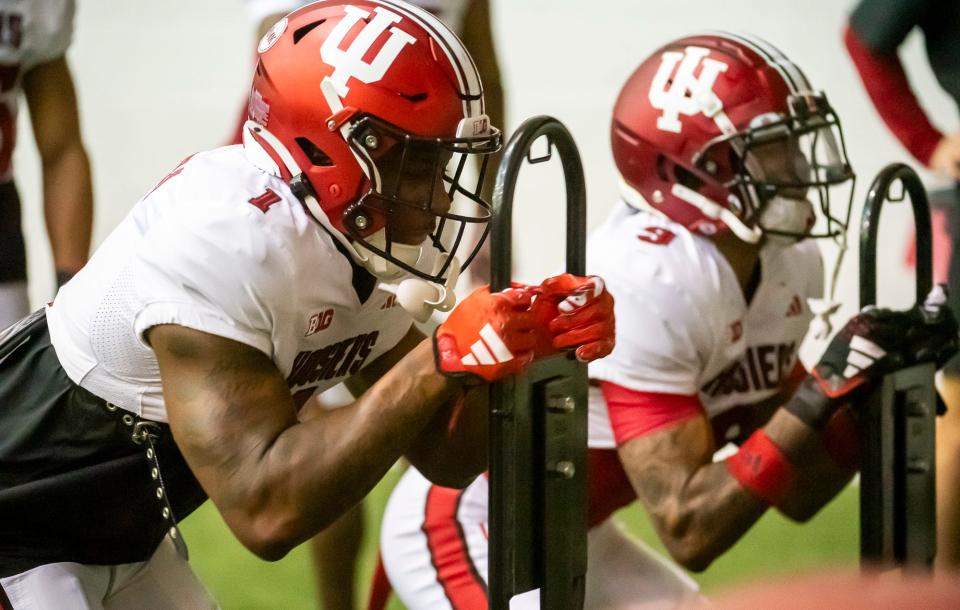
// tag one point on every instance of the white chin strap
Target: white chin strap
(713, 210)
(421, 298)
(382, 268)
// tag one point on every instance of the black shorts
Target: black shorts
(74, 486)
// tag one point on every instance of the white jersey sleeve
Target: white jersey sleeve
(49, 31)
(666, 334)
(187, 274)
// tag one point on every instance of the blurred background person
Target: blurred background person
(34, 37)
(336, 549)
(875, 32)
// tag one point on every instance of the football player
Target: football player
(180, 363)
(336, 548)
(728, 159)
(34, 37)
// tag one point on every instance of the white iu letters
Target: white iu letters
(682, 94)
(348, 63)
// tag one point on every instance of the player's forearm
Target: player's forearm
(722, 508)
(711, 512)
(699, 509)
(68, 207)
(316, 470)
(452, 449)
(820, 474)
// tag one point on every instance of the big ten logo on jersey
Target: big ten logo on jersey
(656, 235)
(330, 361)
(680, 90)
(319, 321)
(350, 62)
(762, 367)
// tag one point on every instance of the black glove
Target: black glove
(866, 348)
(873, 343)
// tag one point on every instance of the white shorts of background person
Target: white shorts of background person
(434, 547)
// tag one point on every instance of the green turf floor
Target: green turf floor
(240, 581)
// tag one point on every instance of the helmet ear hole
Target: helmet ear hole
(303, 31)
(687, 178)
(313, 152)
(662, 164)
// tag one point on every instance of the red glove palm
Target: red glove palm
(488, 335)
(578, 312)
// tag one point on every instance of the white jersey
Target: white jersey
(222, 246)
(683, 325)
(451, 12)
(32, 32)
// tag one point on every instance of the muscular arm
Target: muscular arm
(698, 508)
(278, 480)
(451, 449)
(819, 475)
(67, 190)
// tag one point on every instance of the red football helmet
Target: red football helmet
(717, 130)
(357, 100)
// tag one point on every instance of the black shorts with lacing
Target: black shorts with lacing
(74, 484)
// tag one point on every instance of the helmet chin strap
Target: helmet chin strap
(421, 298)
(711, 209)
(381, 267)
(418, 297)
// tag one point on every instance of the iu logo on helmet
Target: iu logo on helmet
(348, 63)
(684, 93)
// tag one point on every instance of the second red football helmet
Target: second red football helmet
(716, 130)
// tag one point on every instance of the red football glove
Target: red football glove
(581, 315)
(488, 335)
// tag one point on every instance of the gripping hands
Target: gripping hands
(578, 314)
(494, 335)
(871, 344)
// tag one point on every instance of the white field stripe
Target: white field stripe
(496, 344)
(867, 347)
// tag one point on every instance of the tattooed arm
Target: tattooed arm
(820, 475)
(698, 508)
(451, 450)
(278, 480)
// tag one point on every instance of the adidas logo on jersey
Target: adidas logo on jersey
(489, 349)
